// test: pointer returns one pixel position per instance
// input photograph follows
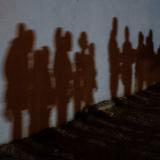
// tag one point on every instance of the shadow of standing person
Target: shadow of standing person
(16, 72)
(85, 73)
(41, 88)
(62, 73)
(127, 58)
(114, 59)
(149, 59)
(140, 54)
(79, 71)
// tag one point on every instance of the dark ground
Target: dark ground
(132, 133)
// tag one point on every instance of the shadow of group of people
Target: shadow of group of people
(31, 85)
(121, 60)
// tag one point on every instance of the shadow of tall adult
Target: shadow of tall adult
(41, 91)
(127, 61)
(114, 58)
(140, 54)
(16, 73)
(62, 71)
(85, 73)
(149, 59)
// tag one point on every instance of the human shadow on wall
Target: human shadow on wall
(79, 83)
(63, 72)
(41, 91)
(114, 59)
(149, 59)
(139, 70)
(127, 61)
(32, 86)
(145, 61)
(17, 77)
(121, 61)
(85, 73)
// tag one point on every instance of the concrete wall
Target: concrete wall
(92, 16)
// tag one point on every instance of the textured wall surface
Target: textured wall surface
(92, 16)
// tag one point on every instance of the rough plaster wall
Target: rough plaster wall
(92, 16)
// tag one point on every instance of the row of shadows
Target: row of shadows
(32, 86)
(131, 133)
(145, 59)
